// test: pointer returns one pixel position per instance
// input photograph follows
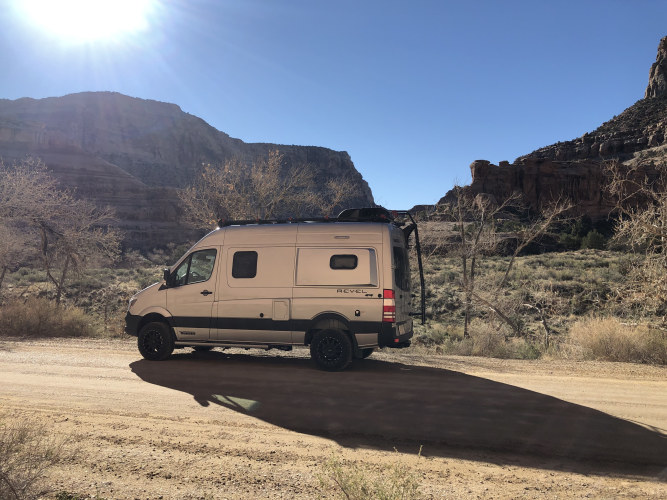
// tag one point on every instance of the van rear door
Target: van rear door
(401, 283)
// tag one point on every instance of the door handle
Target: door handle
(206, 292)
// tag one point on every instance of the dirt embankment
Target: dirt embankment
(245, 424)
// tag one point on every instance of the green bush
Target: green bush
(593, 240)
(569, 241)
(39, 317)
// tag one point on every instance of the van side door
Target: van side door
(254, 305)
(191, 293)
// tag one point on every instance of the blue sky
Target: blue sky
(413, 90)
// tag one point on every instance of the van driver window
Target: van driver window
(244, 265)
(196, 268)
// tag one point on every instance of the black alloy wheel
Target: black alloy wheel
(155, 341)
(331, 350)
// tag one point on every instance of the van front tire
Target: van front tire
(331, 350)
(155, 341)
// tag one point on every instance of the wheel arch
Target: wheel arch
(155, 316)
(333, 321)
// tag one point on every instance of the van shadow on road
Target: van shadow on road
(386, 405)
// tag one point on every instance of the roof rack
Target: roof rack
(349, 215)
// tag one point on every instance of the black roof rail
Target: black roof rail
(246, 222)
(371, 214)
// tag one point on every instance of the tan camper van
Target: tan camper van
(340, 286)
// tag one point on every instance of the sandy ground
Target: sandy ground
(249, 424)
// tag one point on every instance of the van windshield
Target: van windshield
(401, 268)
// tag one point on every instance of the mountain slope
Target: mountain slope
(134, 153)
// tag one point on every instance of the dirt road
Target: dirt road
(239, 424)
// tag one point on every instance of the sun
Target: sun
(88, 20)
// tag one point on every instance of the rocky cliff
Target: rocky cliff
(574, 168)
(133, 154)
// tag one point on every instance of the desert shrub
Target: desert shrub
(593, 240)
(524, 349)
(147, 276)
(27, 450)
(167, 255)
(488, 339)
(29, 275)
(39, 317)
(569, 241)
(131, 259)
(356, 483)
(609, 339)
(431, 334)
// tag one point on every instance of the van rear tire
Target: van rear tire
(331, 350)
(155, 341)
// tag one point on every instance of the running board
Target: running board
(232, 344)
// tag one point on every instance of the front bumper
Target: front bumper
(132, 324)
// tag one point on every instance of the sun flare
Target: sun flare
(88, 20)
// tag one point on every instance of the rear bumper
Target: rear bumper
(132, 324)
(396, 335)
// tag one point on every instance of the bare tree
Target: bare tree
(263, 190)
(477, 219)
(336, 193)
(640, 195)
(13, 244)
(81, 233)
(69, 231)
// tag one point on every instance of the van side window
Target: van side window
(343, 262)
(244, 265)
(197, 267)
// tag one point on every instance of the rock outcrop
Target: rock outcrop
(640, 127)
(657, 77)
(573, 169)
(541, 181)
(134, 154)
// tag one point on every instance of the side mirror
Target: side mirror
(166, 275)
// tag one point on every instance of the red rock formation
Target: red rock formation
(541, 181)
(573, 169)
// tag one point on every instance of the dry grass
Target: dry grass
(610, 340)
(27, 450)
(488, 338)
(358, 483)
(40, 317)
